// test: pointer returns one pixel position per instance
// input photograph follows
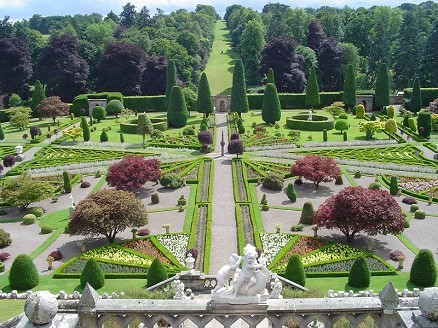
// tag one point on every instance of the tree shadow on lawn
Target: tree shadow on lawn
(308, 190)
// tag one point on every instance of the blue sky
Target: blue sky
(24, 9)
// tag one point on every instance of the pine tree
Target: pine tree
(349, 96)
(239, 100)
(270, 76)
(271, 108)
(38, 95)
(67, 182)
(295, 270)
(170, 80)
(360, 274)
(144, 125)
(382, 87)
(177, 112)
(415, 101)
(204, 104)
(424, 121)
(85, 129)
(312, 90)
(423, 271)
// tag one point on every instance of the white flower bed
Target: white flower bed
(272, 243)
(348, 143)
(270, 147)
(176, 245)
(418, 186)
(373, 171)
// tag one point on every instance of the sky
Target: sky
(24, 9)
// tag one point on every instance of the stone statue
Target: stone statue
(276, 287)
(179, 290)
(309, 118)
(72, 201)
(227, 272)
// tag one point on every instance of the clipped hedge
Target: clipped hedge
(318, 123)
(130, 126)
(142, 104)
(82, 102)
(427, 95)
(295, 100)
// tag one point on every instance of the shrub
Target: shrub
(46, 229)
(360, 111)
(393, 188)
(264, 200)
(104, 136)
(37, 211)
(424, 121)
(188, 131)
(171, 180)
(406, 224)
(143, 232)
(23, 274)
(273, 181)
(414, 208)
(4, 256)
(85, 184)
(114, 107)
(182, 201)
(241, 129)
(9, 161)
(259, 130)
(411, 124)
(290, 192)
(205, 137)
(122, 138)
(390, 111)
(295, 270)
(360, 275)
(343, 116)
(307, 213)
(234, 136)
(98, 113)
(265, 207)
(339, 181)
(3, 212)
(93, 274)
(374, 185)
(345, 136)
(297, 227)
(353, 110)
(155, 199)
(67, 182)
(419, 214)
(409, 200)
(423, 271)
(294, 135)
(35, 131)
(177, 109)
(341, 125)
(29, 219)
(57, 255)
(157, 273)
(324, 135)
(373, 117)
(357, 174)
(5, 238)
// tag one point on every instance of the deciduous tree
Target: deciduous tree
(132, 172)
(19, 116)
(170, 80)
(235, 147)
(415, 101)
(358, 209)
(107, 212)
(370, 127)
(153, 79)
(52, 107)
(251, 45)
(316, 169)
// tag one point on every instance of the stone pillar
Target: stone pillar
(87, 308)
(389, 298)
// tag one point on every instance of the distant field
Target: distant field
(220, 65)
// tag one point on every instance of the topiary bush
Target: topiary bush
(157, 273)
(360, 275)
(423, 271)
(104, 136)
(414, 208)
(114, 107)
(419, 214)
(46, 229)
(265, 207)
(67, 182)
(205, 137)
(357, 174)
(273, 181)
(345, 136)
(189, 131)
(5, 238)
(98, 113)
(409, 200)
(297, 227)
(390, 111)
(93, 274)
(360, 111)
(324, 135)
(23, 274)
(307, 213)
(37, 211)
(374, 185)
(291, 193)
(182, 201)
(85, 184)
(155, 199)
(29, 219)
(393, 188)
(339, 181)
(171, 180)
(295, 270)
(9, 161)
(343, 116)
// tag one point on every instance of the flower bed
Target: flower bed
(427, 187)
(112, 253)
(301, 246)
(78, 265)
(332, 252)
(145, 246)
(272, 243)
(345, 266)
(176, 244)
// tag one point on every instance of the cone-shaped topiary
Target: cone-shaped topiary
(23, 274)
(360, 275)
(290, 192)
(239, 100)
(93, 274)
(381, 97)
(85, 129)
(424, 120)
(67, 182)
(204, 104)
(415, 101)
(177, 111)
(390, 111)
(295, 270)
(393, 188)
(345, 136)
(312, 90)
(2, 133)
(104, 136)
(307, 213)
(349, 96)
(38, 95)
(412, 124)
(423, 270)
(157, 273)
(271, 108)
(270, 76)
(170, 80)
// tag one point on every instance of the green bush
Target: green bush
(406, 224)
(37, 211)
(297, 227)
(92, 274)
(271, 109)
(85, 129)
(188, 131)
(411, 124)
(318, 123)
(157, 273)
(171, 180)
(339, 181)
(341, 125)
(155, 198)
(98, 113)
(29, 219)
(419, 214)
(23, 274)
(273, 181)
(104, 136)
(177, 112)
(390, 111)
(5, 238)
(415, 99)
(345, 136)
(357, 174)
(295, 270)
(241, 129)
(324, 135)
(374, 185)
(414, 208)
(142, 104)
(373, 117)
(114, 107)
(343, 116)
(67, 182)
(360, 111)
(81, 102)
(307, 213)
(424, 121)
(423, 271)
(264, 201)
(393, 188)
(360, 275)
(427, 95)
(46, 229)
(265, 207)
(291, 193)
(182, 201)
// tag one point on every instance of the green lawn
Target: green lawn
(10, 308)
(220, 65)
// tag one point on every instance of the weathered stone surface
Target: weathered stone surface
(428, 303)
(41, 307)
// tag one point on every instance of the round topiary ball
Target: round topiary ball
(29, 219)
(23, 274)
(157, 273)
(414, 208)
(45, 229)
(360, 275)
(37, 211)
(419, 214)
(93, 274)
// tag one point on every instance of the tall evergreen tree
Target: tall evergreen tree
(239, 100)
(424, 121)
(177, 112)
(270, 76)
(415, 101)
(312, 90)
(2, 133)
(271, 109)
(38, 95)
(429, 67)
(204, 104)
(251, 45)
(349, 96)
(85, 129)
(170, 80)
(381, 97)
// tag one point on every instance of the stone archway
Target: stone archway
(221, 103)
(366, 100)
(95, 102)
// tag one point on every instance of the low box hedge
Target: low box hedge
(299, 122)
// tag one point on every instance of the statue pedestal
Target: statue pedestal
(223, 298)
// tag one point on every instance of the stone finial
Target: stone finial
(41, 307)
(389, 298)
(89, 296)
(428, 303)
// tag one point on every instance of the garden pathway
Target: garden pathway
(223, 229)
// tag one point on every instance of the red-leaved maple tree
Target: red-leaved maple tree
(358, 209)
(316, 169)
(132, 172)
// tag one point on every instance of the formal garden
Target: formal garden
(116, 189)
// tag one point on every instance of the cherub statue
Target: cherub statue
(276, 287)
(179, 290)
(227, 272)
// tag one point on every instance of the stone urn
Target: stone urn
(428, 303)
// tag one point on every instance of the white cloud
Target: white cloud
(12, 3)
